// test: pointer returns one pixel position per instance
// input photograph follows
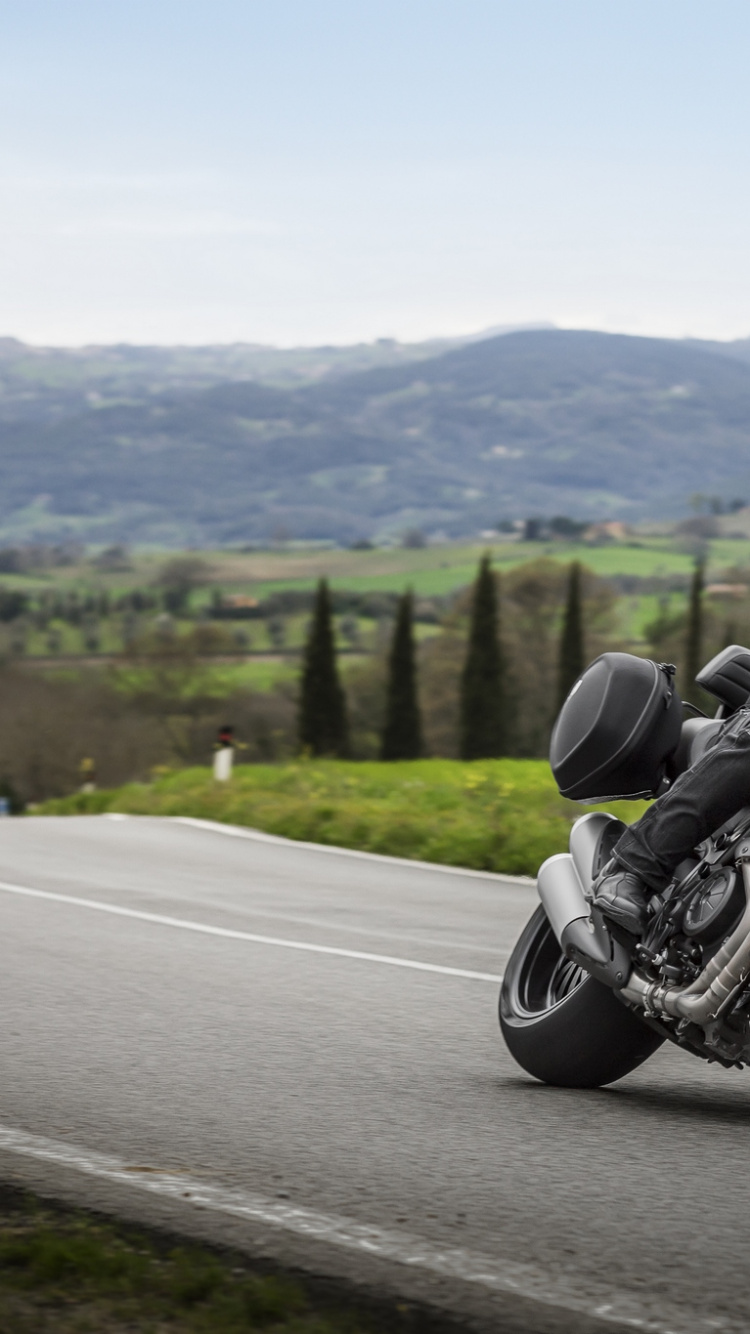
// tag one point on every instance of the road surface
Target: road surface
(296, 1051)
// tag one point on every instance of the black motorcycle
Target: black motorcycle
(581, 1004)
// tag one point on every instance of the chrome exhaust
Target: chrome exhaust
(581, 934)
(561, 892)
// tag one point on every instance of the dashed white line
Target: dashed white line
(227, 933)
(493, 1273)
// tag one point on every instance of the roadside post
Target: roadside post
(88, 774)
(224, 754)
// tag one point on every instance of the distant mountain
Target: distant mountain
(534, 422)
(738, 348)
(44, 382)
(47, 381)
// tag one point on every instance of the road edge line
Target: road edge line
(259, 836)
(503, 1277)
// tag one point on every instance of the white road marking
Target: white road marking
(184, 924)
(236, 831)
(493, 1273)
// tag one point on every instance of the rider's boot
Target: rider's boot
(622, 897)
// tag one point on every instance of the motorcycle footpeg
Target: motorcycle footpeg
(588, 941)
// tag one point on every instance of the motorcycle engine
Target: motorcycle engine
(683, 937)
(715, 908)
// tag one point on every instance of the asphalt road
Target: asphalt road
(296, 1050)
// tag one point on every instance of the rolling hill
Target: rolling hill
(533, 422)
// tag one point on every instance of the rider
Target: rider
(700, 800)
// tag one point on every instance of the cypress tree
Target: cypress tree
(694, 635)
(402, 733)
(322, 724)
(571, 660)
(482, 719)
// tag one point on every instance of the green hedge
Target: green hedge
(493, 815)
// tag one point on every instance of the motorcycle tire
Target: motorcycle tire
(561, 1025)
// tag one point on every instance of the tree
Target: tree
(571, 661)
(402, 733)
(322, 723)
(12, 604)
(179, 576)
(694, 635)
(482, 724)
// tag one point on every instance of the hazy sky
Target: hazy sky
(307, 171)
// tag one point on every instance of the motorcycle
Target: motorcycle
(583, 1003)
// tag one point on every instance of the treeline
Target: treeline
(485, 684)
(73, 607)
(489, 682)
(343, 601)
(491, 668)
(492, 683)
(40, 556)
(127, 615)
(51, 610)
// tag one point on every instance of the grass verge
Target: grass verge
(68, 1272)
(491, 815)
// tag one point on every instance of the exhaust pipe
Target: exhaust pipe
(561, 892)
(580, 932)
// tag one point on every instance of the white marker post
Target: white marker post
(223, 764)
(224, 755)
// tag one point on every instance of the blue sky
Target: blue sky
(309, 171)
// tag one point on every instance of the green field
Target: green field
(493, 815)
(435, 571)
(429, 570)
(223, 678)
(443, 569)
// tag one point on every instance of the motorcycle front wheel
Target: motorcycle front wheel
(562, 1026)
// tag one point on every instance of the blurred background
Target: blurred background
(305, 290)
